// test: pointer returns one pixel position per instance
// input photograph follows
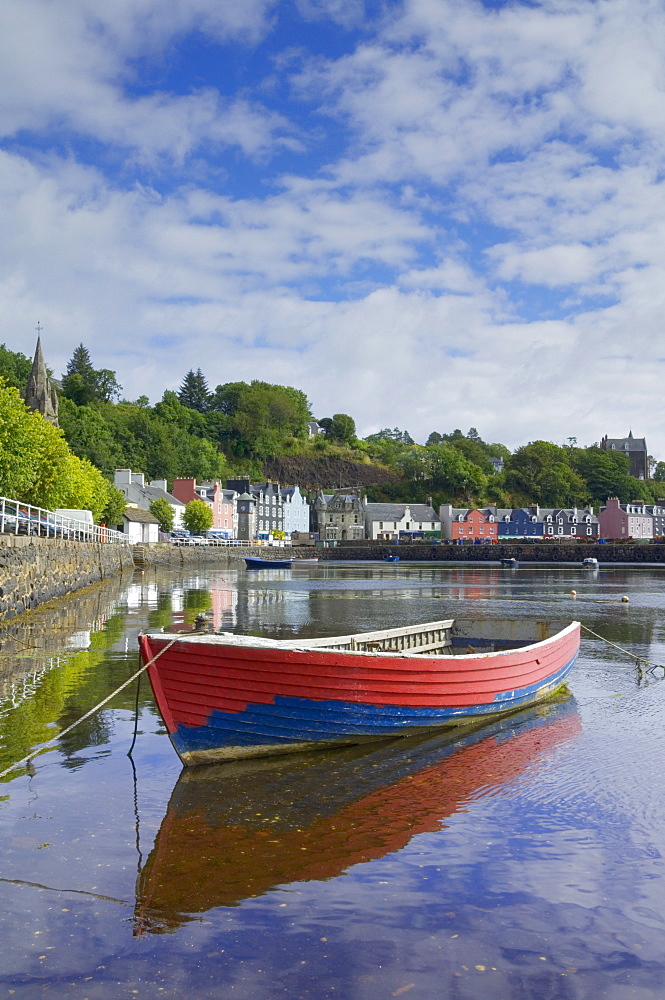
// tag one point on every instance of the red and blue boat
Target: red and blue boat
(228, 696)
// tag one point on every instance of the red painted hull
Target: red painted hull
(223, 700)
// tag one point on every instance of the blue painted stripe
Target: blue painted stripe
(296, 720)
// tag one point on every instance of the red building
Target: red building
(469, 523)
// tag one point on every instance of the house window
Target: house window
(561, 531)
(482, 530)
(491, 531)
(381, 524)
(589, 531)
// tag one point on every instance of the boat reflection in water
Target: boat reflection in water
(241, 828)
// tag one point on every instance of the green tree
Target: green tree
(163, 511)
(659, 473)
(540, 472)
(84, 384)
(90, 436)
(605, 472)
(197, 517)
(194, 391)
(115, 506)
(342, 429)
(15, 368)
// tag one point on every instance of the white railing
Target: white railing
(226, 542)
(18, 518)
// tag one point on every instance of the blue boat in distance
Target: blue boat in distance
(254, 562)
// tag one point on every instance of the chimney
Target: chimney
(122, 477)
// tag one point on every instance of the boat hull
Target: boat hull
(252, 562)
(220, 700)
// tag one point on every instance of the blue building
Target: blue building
(522, 522)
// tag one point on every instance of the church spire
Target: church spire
(40, 394)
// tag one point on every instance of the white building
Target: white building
(137, 493)
(140, 525)
(296, 510)
(387, 521)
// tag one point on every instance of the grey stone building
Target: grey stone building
(339, 516)
(40, 394)
(268, 508)
(635, 449)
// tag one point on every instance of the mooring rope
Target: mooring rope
(639, 659)
(51, 743)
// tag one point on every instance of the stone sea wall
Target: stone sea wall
(35, 570)
(571, 552)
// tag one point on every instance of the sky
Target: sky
(427, 214)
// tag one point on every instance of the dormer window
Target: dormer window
(559, 520)
(533, 518)
(549, 518)
(491, 517)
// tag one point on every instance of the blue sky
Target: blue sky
(428, 214)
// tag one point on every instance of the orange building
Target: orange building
(469, 523)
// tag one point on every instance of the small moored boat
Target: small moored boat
(253, 562)
(391, 558)
(226, 696)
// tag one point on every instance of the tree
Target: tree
(540, 472)
(15, 367)
(163, 511)
(89, 435)
(342, 429)
(194, 391)
(197, 517)
(659, 474)
(115, 506)
(83, 384)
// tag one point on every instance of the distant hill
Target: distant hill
(327, 472)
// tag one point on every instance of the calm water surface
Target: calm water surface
(520, 860)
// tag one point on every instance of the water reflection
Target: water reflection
(240, 829)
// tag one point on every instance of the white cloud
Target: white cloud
(69, 67)
(457, 151)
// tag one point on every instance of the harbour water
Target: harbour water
(518, 860)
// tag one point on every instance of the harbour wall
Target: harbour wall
(35, 570)
(543, 552)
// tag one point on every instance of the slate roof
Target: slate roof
(395, 511)
(155, 493)
(137, 514)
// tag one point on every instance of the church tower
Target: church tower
(40, 394)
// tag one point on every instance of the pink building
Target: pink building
(218, 499)
(624, 520)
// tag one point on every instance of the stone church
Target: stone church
(40, 394)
